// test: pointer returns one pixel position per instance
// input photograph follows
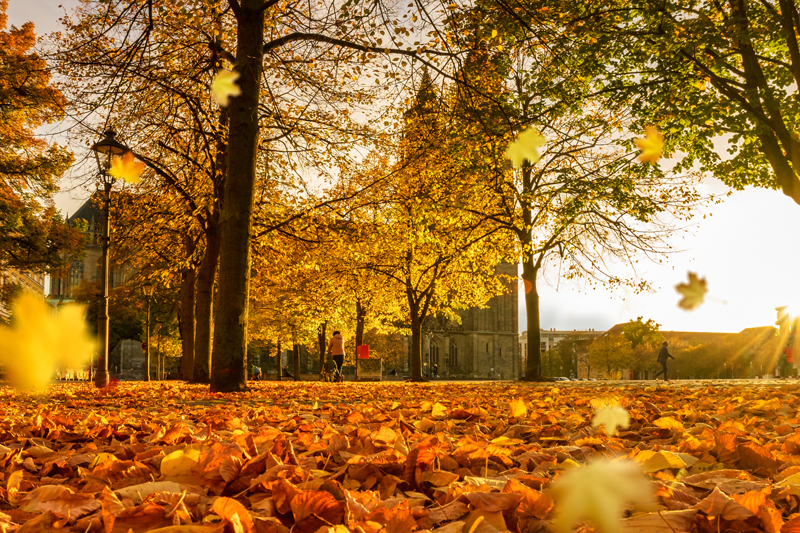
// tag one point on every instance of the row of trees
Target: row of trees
(262, 201)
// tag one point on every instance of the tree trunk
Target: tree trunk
(416, 340)
(279, 359)
(533, 368)
(186, 322)
(205, 303)
(230, 323)
(361, 314)
(296, 355)
(323, 345)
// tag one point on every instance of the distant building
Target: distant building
(550, 337)
(484, 345)
(28, 282)
(128, 358)
(87, 269)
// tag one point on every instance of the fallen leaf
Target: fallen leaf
(611, 418)
(518, 409)
(599, 492)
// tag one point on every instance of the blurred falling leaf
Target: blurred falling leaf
(224, 87)
(518, 409)
(40, 341)
(526, 147)
(693, 292)
(599, 492)
(611, 418)
(651, 145)
(126, 168)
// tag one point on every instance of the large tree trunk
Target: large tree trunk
(323, 345)
(533, 368)
(187, 322)
(205, 303)
(416, 344)
(230, 325)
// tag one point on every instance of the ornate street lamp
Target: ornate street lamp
(104, 152)
(147, 289)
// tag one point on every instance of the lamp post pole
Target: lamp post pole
(147, 289)
(159, 363)
(105, 150)
(101, 377)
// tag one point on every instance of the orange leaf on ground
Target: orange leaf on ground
(719, 504)
(231, 510)
(771, 519)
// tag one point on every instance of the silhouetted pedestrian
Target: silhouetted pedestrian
(663, 357)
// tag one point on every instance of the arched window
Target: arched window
(434, 354)
(452, 357)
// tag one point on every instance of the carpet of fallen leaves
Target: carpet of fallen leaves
(369, 458)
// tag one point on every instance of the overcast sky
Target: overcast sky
(746, 250)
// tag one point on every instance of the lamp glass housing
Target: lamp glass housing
(147, 289)
(107, 149)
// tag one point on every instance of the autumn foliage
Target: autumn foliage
(399, 458)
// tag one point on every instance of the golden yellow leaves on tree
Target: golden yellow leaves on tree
(651, 146)
(526, 147)
(126, 168)
(224, 87)
(599, 492)
(693, 292)
(611, 418)
(40, 342)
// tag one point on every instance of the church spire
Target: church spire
(427, 98)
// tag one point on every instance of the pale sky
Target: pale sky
(745, 250)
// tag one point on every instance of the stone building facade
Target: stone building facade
(87, 268)
(485, 344)
(27, 282)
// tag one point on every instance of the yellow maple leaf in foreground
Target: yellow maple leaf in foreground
(224, 87)
(610, 418)
(39, 341)
(599, 492)
(526, 147)
(693, 292)
(126, 168)
(651, 146)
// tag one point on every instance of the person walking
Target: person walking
(663, 357)
(331, 369)
(336, 349)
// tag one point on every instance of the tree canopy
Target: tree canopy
(33, 235)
